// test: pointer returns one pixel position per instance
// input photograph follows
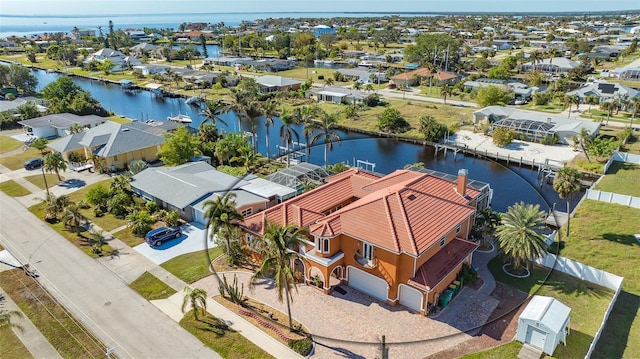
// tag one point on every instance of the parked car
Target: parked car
(33, 163)
(158, 236)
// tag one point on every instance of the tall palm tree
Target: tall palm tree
(5, 319)
(54, 162)
(445, 91)
(520, 236)
(634, 102)
(212, 112)
(567, 182)
(195, 298)
(253, 111)
(306, 115)
(279, 254)
(270, 110)
(120, 184)
(287, 132)
(239, 100)
(326, 128)
(222, 216)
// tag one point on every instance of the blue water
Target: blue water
(511, 184)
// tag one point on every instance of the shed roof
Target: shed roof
(548, 311)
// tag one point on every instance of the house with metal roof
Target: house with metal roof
(58, 125)
(338, 95)
(187, 187)
(112, 145)
(400, 238)
(535, 126)
(272, 83)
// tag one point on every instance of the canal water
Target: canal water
(510, 184)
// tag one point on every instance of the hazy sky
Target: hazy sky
(103, 7)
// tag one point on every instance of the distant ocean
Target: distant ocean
(30, 25)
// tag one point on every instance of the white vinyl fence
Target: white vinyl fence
(610, 197)
(589, 274)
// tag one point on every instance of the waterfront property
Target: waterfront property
(544, 324)
(58, 125)
(114, 144)
(604, 91)
(551, 66)
(536, 126)
(271, 83)
(185, 188)
(338, 95)
(401, 238)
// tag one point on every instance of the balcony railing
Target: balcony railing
(365, 262)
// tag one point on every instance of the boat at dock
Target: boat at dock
(180, 118)
(193, 100)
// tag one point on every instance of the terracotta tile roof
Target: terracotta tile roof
(442, 76)
(437, 267)
(310, 206)
(409, 75)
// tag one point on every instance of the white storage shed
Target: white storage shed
(543, 324)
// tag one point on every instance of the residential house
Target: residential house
(271, 83)
(78, 34)
(400, 238)
(145, 48)
(604, 91)
(58, 125)
(411, 78)
(320, 30)
(187, 187)
(551, 66)
(119, 60)
(363, 75)
(12, 106)
(442, 78)
(535, 126)
(269, 65)
(114, 144)
(338, 95)
(150, 69)
(521, 91)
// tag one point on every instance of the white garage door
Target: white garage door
(198, 216)
(535, 337)
(410, 298)
(368, 284)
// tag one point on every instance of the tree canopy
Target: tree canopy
(179, 147)
(64, 95)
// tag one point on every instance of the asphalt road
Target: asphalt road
(117, 315)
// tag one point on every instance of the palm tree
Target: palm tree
(287, 133)
(487, 220)
(72, 216)
(279, 253)
(357, 85)
(567, 182)
(591, 100)
(326, 133)
(445, 91)
(328, 81)
(253, 110)
(212, 112)
(195, 298)
(54, 205)
(54, 162)
(239, 101)
(222, 216)
(520, 236)
(369, 87)
(270, 110)
(305, 115)
(120, 184)
(634, 102)
(5, 319)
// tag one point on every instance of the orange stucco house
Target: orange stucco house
(400, 238)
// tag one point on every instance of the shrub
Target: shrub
(596, 167)
(503, 136)
(432, 130)
(391, 121)
(172, 218)
(98, 196)
(467, 274)
(550, 139)
(77, 157)
(301, 346)
(151, 207)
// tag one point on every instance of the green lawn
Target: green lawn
(128, 237)
(107, 222)
(151, 288)
(621, 178)
(191, 267)
(300, 73)
(509, 350)
(218, 336)
(64, 332)
(8, 144)
(12, 347)
(38, 180)
(602, 237)
(119, 119)
(13, 189)
(15, 162)
(587, 301)
(82, 241)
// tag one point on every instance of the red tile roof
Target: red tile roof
(437, 267)
(409, 75)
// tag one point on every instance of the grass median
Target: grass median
(191, 267)
(13, 189)
(151, 288)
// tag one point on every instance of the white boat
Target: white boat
(193, 100)
(329, 62)
(180, 118)
(318, 62)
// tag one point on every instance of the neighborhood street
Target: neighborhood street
(117, 315)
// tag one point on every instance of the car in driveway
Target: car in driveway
(160, 235)
(33, 164)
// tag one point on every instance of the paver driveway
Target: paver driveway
(339, 322)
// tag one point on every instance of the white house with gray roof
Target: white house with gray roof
(337, 94)
(604, 91)
(551, 66)
(58, 125)
(272, 83)
(187, 187)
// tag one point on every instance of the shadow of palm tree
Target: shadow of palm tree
(342, 352)
(628, 239)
